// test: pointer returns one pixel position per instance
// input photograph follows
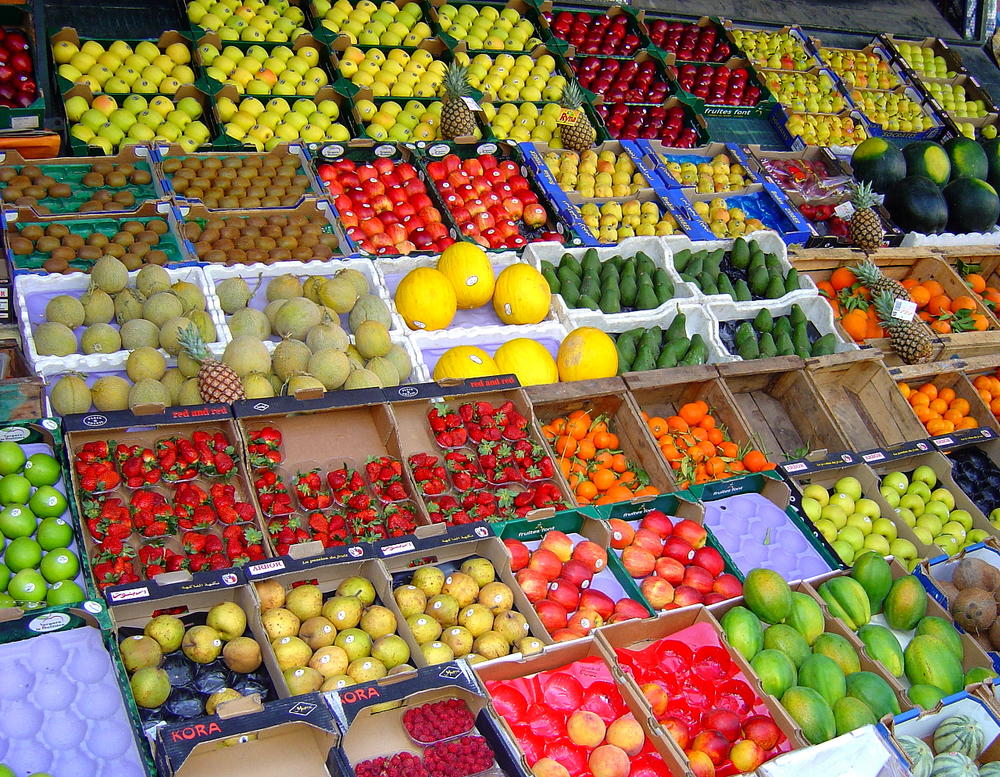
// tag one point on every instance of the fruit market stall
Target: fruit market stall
(497, 389)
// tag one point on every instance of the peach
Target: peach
(559, 543)
(762, 730)
(726, 722)
(609, 761)
(519, 554)
(621, 533)
(547, 767)
(577, 573)
(678, 548)
(592, 555)
(747, 755)
(638, 562)
(657, 698)
(685, 595)
(699, 579)
(729, 586)
(678, 731)
(658, 522)
(710, 559)
(585, 728)
(701, 764)
(670, 569)
(694, 533)
(627, 734)
(592, 599)
(545, 563)
(648, 540)
(713, 744)
(658, 592)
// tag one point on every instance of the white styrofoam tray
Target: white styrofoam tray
(656, 248)
(991, 238)
(33, 292)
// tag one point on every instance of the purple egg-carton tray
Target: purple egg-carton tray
(63, 712)
(431, 346)
(757, 533)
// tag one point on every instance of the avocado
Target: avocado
(609, 274)
(740, 255)
(706, 282)
(644, 359)
(800, 339)
(696, 265)
(825, 345)
(550, 277)
(797, 316)
(644, 264)
(586, 301)
(781, 326)
(566, 275)
(627, 290)
(609, 302)
(591, 262)
(677, 328)
(783, 343)
(773, 263)
(766, 346)
(626, 353)
(570, 293)
(676, 348)
(748, 349)
(741, 292)
(763, 322)
(591, 286)
(757, 281)
(697, 352)
(645, 298)
(714, 261)
(667, 357)
(569, 263)
(775, 287)
(724, 285)
(792, 281)
(652, 338)
(681, 258)
(745, 331)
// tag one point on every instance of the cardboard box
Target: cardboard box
(370, 716)
(247, 739)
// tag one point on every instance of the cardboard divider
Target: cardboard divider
(861, 395)
(623, 420)
(447, 549)
(869, 490)
(784, 408)
(635, 635)
(561, 655)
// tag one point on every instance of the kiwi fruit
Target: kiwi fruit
(273, 238)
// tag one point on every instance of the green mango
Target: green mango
(763, 322)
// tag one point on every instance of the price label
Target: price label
(845, 210)
(473, 105)
(568, 117)
(797, 466)
(904, 309)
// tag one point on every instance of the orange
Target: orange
(923, 413)
(960, 404)
(855, 324)
(603, 479)
(920, 295)
(929, 389)
(904, 389)
(658, 426)
(995, 406)
(693, 412)
(585, 450)
(677, 424)
(986, 396)
(933, 287)
(982, 382)
(586, 490)
(976, 282)
(941, 327)
(939, 303)
(947, 394)
(918, 398)
(963, 303)
(967, 423)
(565, 445)
(755, 461)
(938, 405)
(979, 322)
(953, 415)
(842, 278)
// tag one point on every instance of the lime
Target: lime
(42, 470)
(54, 533)
(4, 577)
(47, 502)
(12, 458)
(22, 553)
(65, 592)
(17, 521)
(28, 585)
(59, 564)
(14, 489)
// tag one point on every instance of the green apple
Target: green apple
(844, 501)
(862, 522)
(955, 529)
(827, 529)
(76, 107)
(150, 118)
(937, 508)
(907, 516)
(178, 118)
(162, 105)
(891, 495)
(844, 550)
(885, 527)
(963, 517)
(135, 104)
(190, 106)
(995, 516)
(853, 536)
(811, 508)
(868, 507)
(976, 535)
(93, 119)
(81, 132)
(897, 481)
(818, 493)
(835, 515)
(111, 133)
(930, 522)
(913, 503)
(122, 119)
(923, 535)
(140, 133)
(925, 474)
(944, 495)
(902, 548)
(849, 486)
(920, 489)
(947, 543)
(878, 543)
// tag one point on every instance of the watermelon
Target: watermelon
(959, 734)
(879, 162)
(917, 753)
(992, 149)
(929, 159)
(953, 765)
(973, 205)
(967, 158)
(990, 769)
(917, 205)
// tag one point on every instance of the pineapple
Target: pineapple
(871, 276)
(580, 136)
(910, 339)
(217, 382)
(866, 227)
(457, 118)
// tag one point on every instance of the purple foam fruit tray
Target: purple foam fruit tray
(757, 533)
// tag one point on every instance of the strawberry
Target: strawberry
(98, 477)
(193, 542)
(344, 482)
(429, 474)
(385, 476)
(400, 519)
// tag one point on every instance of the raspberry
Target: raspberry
(399, 765)
(370, 768)
(438, 720)
(459, 758)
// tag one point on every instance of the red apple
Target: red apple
(552, 615)
(577, 573)
(658, 592)
(546, 563)
(710, 559)
(658, 522)
(638, 562)
(519, 554)
(621, 533)
(678, 548)
(600, 602)
(728, 586)
(592, 555)
(627, 609)
(559, 543)
(648, 540)
(713, 598)
(693, 533)
(699, 579)
(726, 722)
(670, 569)
(762, 730)
(564, 593)
(565, 635)
(585, 620)
(534, 215)
(685, 595)
(534, 585)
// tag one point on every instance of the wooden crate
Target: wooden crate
(783, 407)
(900, 264)
(863, 399)
(945, 375)
(611, 399)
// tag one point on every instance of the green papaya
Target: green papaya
(929, 661)
(767, 595)
(763, 322)
(743, 631)
(872, 572)
(944, 630)
(806, 617)
(824, 676)
(840, 650)
(776, 671)
(811, 712)
(847, 600)
(925, 696)
(883, 647)
(873, 691)
(783, 637)
(850, 714)
(905, 604)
